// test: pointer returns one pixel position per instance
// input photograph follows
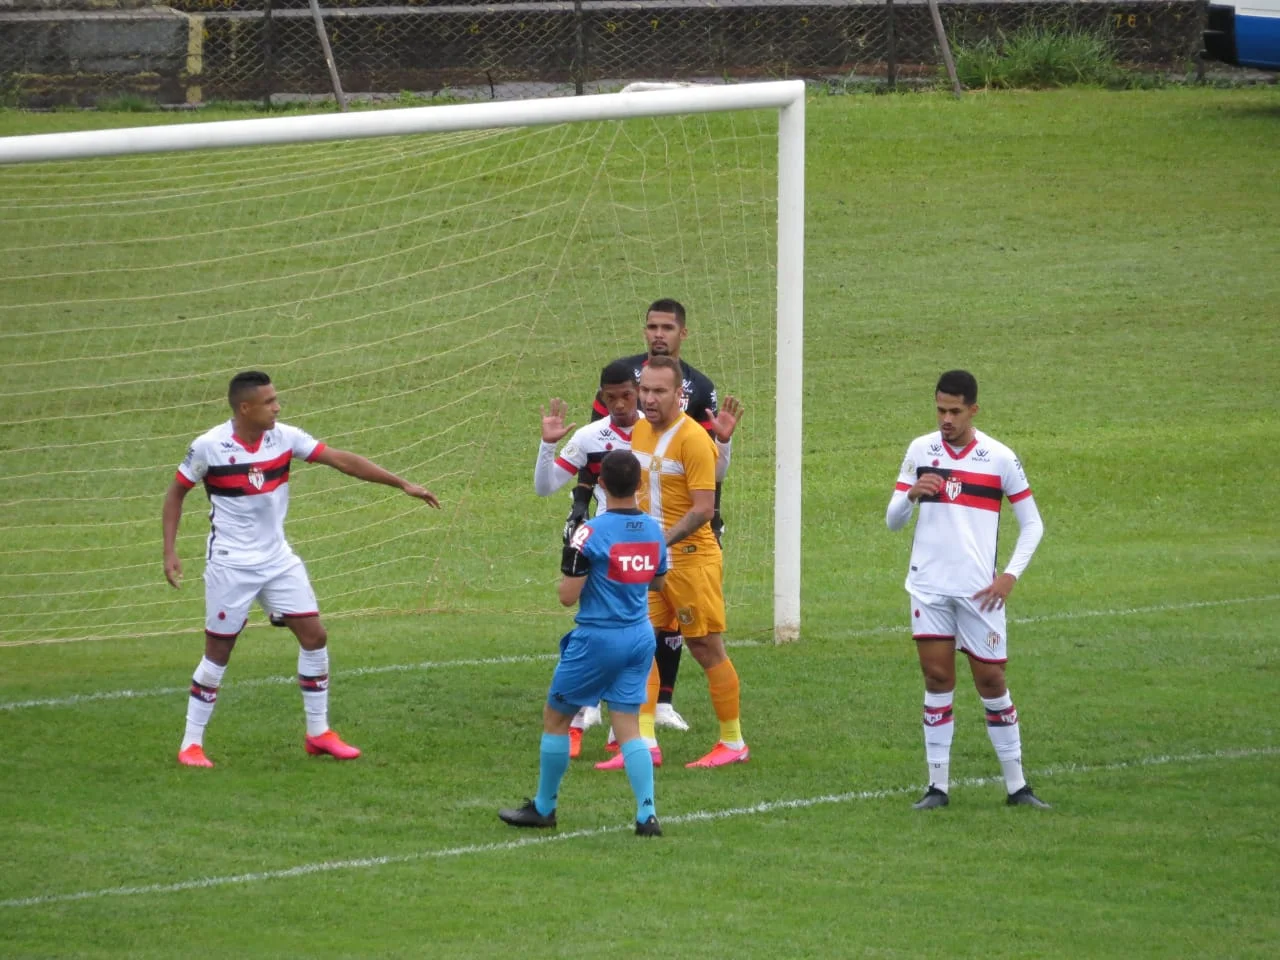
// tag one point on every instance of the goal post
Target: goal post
(787, 97)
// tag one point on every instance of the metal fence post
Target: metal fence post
(891, 44)
(269, 53)
(579, 49)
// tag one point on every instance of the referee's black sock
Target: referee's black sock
(670, 646)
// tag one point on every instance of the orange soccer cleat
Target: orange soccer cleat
(722, 755)
(330, 743)
(575, 743)
(194, 756)
(616, 762)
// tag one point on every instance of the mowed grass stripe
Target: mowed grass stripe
(700, 816)
(108, 695)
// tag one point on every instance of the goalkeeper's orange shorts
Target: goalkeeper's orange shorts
(691, 601)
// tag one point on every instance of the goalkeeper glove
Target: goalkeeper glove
(578, 515)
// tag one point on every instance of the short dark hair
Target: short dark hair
(618, 373)
(959, 383)
(664, 362)
(667, 305)
(245, 383)
(620, 473)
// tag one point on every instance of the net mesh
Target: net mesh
(414, 299)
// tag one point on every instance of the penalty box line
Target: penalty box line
(700, 816)
(86, 698)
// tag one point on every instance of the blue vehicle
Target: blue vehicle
(1245, 34)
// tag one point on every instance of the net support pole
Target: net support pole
(790, 375)
(329, 62)
(944, 44)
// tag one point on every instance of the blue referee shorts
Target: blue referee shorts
(602, 664)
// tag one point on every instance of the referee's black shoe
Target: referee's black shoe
(527, 816)
(932, 798)
(1025, 798)
(650, 828)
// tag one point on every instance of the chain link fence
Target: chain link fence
(270, 49)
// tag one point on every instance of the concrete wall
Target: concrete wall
(52, 55)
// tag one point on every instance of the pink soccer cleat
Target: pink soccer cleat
(330, 743)
(722, 755)
(575, 743)
(616, 762)
(194, 756)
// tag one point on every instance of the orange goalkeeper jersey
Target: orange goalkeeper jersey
(679, 460)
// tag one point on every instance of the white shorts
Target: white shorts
(229, 592)
(979, 633)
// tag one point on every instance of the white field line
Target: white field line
(699, 816)
(84, 698)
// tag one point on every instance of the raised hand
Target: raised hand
(553, 428)
(726, 421)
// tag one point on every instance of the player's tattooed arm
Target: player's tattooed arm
(704, 507)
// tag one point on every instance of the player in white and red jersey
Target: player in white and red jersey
(244, 465)
(959, 476)
(584, 452)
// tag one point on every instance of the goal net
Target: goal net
(415, 298)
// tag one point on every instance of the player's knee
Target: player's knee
(937, 678)
(311, 634)
(991, 685)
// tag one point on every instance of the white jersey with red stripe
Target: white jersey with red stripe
(248, 488)
(954, 550)
(587, 448)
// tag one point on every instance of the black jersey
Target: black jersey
(698, 395)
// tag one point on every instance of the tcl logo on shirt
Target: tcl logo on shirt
(633, 562)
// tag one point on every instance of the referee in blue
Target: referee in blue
(611, 563)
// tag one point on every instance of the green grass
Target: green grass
(1103, 261)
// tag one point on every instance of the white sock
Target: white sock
(204, 695)
(313, 679)
(939, 731)
(579, 721)
(1002, 729)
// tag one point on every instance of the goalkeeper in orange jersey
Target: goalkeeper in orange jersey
(677, 488)
(665, 330)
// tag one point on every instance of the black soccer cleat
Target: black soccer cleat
(527, 816)
(277, 620)
(1026, 798)
(932, 799)
(650, 828)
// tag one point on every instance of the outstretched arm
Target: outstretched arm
(354, 465)
(170, 515)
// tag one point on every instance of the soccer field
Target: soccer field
(1106, 263)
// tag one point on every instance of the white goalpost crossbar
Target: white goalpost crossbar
(787, 97)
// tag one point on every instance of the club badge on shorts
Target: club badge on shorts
(685, 616)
